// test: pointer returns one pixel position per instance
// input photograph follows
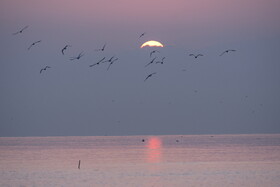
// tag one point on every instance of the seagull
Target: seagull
(102, 49)
(97, 63)
(62, 51)
(152, 61)
(110, 60)
(44, 69)
(149, 76)
(142, 35)
(161, 62)
(112, 63)
(227, 51)
(154, 51)
(77, 57)
(34, 44)
(196, 56)
(20, 32)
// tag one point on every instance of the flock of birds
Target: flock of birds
(113, 59)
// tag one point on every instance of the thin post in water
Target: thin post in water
(79, 164)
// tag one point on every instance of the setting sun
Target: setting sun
(151, 43)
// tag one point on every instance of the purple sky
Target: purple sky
(235, 93)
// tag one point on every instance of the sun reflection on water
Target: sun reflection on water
(154, 146)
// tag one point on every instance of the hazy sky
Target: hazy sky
(234, 93)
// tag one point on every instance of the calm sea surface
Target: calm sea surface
(175, 160)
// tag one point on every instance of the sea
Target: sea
(139, 161)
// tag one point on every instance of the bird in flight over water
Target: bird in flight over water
(44, 69)
(227, 51)
(102, 49)
(142, 35)
(154, 51)
(77, 57)
(62, 51)
(150, 75)
(20, 31)
(196, 56)
(34, 43)
(97, 63)
(112, 63)
(152, 61)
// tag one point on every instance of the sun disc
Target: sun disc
(152, 43)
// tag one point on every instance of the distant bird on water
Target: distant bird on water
(142, 35)
(34, 43)
(44, 69)
(150, 75)
(154, 51)
(20, 31)
(101, 49)
(62, 51)
(227, 51)
(152, 61)
(97, 63)
(112, 63)
(77, 57)
(196, 56)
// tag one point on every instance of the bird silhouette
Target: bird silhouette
(101, 49)
(152, 61)
(154, 51)
(142, 35)
(34, 43)
(227, 51)
(196, 56)
(44, 69)
(97, 63)
(160, 62)
(62, 51)
(112, 63)
(20, 31)
(150, 75)
(77, 57)
(110, 60)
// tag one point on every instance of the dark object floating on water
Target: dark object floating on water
(143, 140)
(177, 140)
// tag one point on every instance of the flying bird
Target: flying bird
(196, 56)
(62, 51)
(77, 57)
(150, 75)
(227, 51)
(112, 63)
(97, 63)
(160, 62)
(20, 31)
(102, 49)
(110, 60)
(34, 43)
(152, 61)
(44, 69)
(142, 35)
(154, 51)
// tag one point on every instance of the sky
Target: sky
(235, 93)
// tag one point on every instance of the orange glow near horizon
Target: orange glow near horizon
(152, 43)
(154, 149)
